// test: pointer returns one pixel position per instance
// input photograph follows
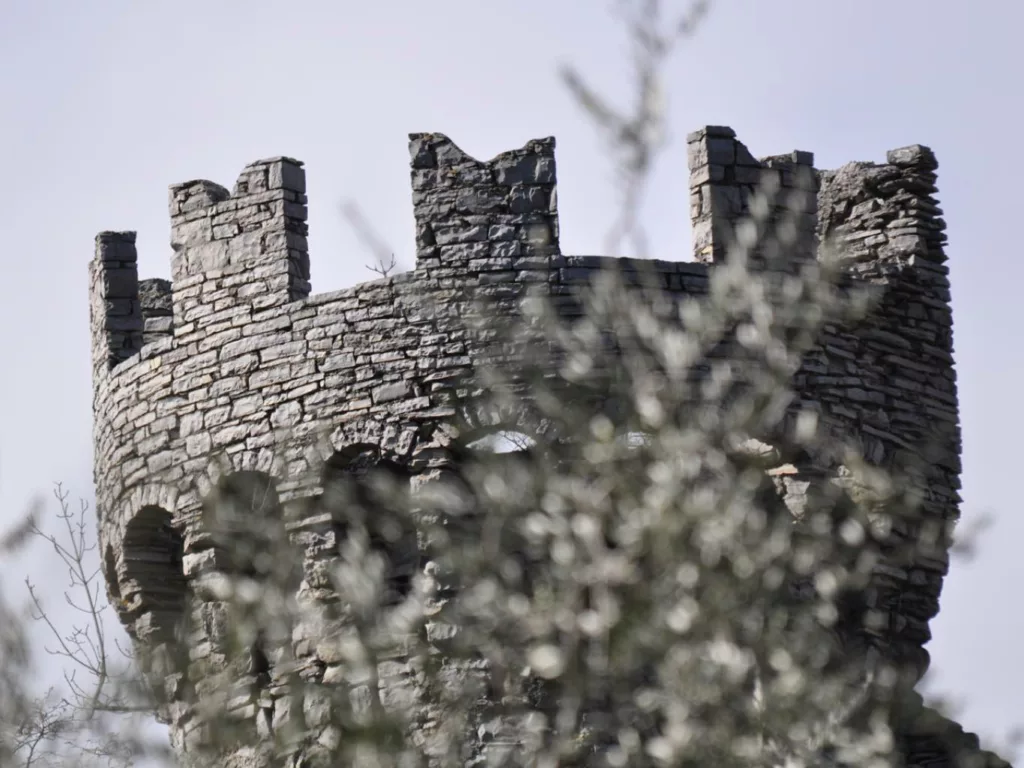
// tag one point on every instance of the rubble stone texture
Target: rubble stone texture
(235, 348)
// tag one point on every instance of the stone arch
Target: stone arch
(264, 461)
(476, 420)
(366, 489)
(150, 584)
(148, 495)
(394, 440)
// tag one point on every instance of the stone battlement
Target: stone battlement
(236, 347)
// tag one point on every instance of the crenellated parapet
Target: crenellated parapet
(114, 308)
(724, 180)
(498, 218)
(195, 378)
(239, 249)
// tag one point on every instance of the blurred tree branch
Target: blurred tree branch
(637, 136)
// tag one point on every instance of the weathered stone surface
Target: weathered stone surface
(234, 351)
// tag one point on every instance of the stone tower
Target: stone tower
(235, 346)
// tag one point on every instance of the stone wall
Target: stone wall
(890, 380)
(235, 349)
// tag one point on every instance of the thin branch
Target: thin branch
(85, 646)
(384, 257)
(381, 268)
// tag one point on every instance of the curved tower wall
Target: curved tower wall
(235, 349)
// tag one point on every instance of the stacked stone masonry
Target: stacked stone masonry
(235, 348)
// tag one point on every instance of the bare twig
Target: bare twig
(384, 257)
(381, 268)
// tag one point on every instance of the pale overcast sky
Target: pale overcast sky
(107, 102)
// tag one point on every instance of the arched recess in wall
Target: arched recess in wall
(367, 493)
(499, 465)
(152, 589)
(244, 518)
(516, 460)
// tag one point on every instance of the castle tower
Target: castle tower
(194, 379)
